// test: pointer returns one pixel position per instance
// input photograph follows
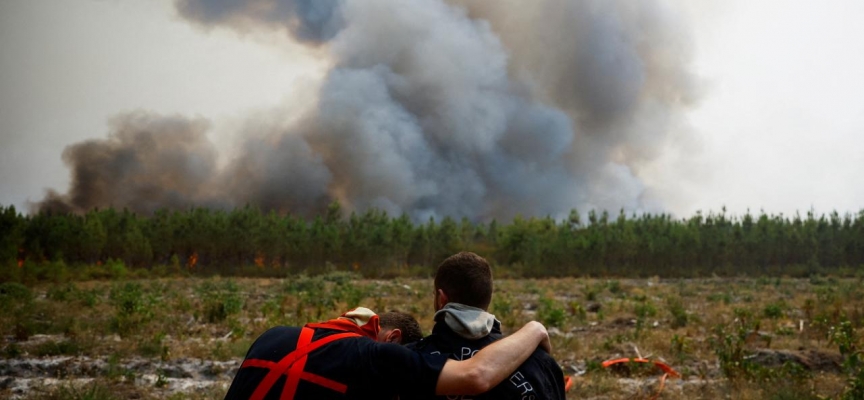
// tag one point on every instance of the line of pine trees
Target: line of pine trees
(376, 245)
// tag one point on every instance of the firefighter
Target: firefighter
(398, 327)
(342, 359)
(463, 292)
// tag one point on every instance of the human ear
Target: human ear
(395, 336)
(440, 299)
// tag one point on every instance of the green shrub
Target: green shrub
(614, 287)
(88, 298)
(304, 283)
(577, 311)
(10, 272)
(678, 312)
(313, 294)
(116, 269)
(341, 277)
(93, 391)
(774, 310)
(51, 271)
(550, 313)
(116, 371)
(680, 347)
(132, 307)
(644, 309)
(592, 291)
(504, 310)
(154, 347)
(12, 293)
(52, 348)
(729, 344)
(16, 301)
(12, 350)
(844, 336)
(219, 300)
(593, 365)
(350, 293)
(159, 271)
(110, 270)
(62, 293)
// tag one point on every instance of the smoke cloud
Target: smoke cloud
(468, 109)
(147, 162)
(311, 21)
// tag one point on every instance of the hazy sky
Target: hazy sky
(779, 127)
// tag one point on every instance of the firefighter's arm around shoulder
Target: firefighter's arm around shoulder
(494, 363)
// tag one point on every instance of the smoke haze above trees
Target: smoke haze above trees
(430, 108)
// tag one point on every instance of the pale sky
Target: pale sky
(782, 120)
(780, 125)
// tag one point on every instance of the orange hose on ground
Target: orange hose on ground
(668, 371)
(568, 383)
(663, 366)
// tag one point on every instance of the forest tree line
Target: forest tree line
(375, 244)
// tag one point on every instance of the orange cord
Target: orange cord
(668, 371)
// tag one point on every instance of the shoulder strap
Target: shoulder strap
(292, 366)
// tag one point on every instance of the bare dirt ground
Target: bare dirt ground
(26, 377)
(184, 338)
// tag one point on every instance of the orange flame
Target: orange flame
(259, 260)
(193, 259)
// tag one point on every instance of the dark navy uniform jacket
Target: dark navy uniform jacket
(355, 367)
(540, 377)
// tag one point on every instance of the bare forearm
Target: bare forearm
(492, 364)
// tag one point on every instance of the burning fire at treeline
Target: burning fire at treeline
(431, 108)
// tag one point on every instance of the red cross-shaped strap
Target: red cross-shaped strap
(292, 365)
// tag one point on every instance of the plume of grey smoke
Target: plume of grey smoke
(475, 109)
(277, 171)
(619, 68)
(420, 116)
(147, 162)
(311, 21)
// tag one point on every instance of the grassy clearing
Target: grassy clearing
(774, 338)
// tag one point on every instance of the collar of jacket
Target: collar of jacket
(468, 322)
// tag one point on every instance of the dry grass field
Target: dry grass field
(183, 338)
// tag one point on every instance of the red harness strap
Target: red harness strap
(292, 365)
